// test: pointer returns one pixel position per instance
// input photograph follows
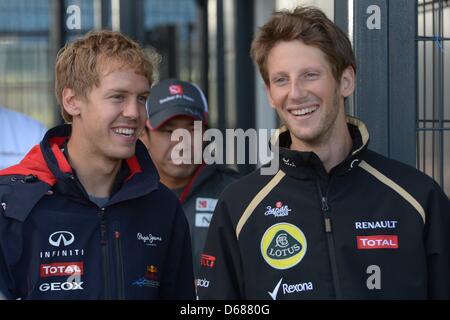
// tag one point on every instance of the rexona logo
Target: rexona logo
(290, 288)
(59, 238)
(283, 246)
(377, 242)
(61, 269)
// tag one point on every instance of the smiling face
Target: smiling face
(109, 121)
(305, 94)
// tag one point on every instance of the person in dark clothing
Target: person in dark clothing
(174, 104)
(84, 215)
(337, 221)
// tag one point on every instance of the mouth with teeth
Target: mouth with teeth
(126, 132)
(304, 111)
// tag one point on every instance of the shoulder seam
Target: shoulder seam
(257, 200)
(394, 186)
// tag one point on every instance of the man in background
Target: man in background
(18, 134)
(174, 104)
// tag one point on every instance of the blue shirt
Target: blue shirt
(18, 134)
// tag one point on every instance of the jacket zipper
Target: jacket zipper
(331, 248)
(105, 258)
(119, 266)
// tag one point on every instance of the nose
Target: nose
(131, 109)
(297, 91)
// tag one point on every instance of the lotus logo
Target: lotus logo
(65, 237)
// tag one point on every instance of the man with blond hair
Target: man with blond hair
(83, 215)
(337, 221)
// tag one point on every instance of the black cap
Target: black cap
(170, 98)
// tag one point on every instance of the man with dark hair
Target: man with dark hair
(173, 105)
(337, 221)
(83, 215)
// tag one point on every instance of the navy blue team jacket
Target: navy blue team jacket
(57, 244)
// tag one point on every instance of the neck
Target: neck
(96, 173)
(333, 148)
(174, 183)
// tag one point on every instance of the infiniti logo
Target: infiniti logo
(65, 237)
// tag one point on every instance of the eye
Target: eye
(117, 97)
(142, 99)
(279, 81)
(311, 75)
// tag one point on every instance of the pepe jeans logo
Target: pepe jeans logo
(149, 239)
(64, 237)
(283, 246)
(278, 211)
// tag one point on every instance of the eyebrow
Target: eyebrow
(147, 92)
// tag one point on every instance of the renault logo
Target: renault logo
(65, 237)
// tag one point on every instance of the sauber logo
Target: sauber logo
(61, 269)
(377, 242)
(205, 204)
(176, 89)
(64, 237)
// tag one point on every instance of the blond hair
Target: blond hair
(78, 64)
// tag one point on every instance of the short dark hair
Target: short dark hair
(311, 26)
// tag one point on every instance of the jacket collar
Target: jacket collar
(306, 165)
(47, 163)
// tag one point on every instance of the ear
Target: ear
(147, 124)
(145, 135)
(347, 86)
(71, 103)
(269, 97)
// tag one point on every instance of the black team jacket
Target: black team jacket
(57, 244)
(372, 228)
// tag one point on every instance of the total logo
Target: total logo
(377, 242)
(202, 283)
(61, 286)
(61, 269)
(57, 238)
(283, 246)
(290, 288)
